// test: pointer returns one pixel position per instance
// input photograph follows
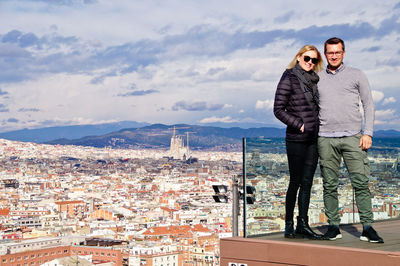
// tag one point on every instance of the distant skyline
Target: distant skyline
(77, 62)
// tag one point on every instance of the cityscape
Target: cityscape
(142, 204)
(102, 206)
(143, 132)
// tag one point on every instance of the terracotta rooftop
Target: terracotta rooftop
(69, 202)
(4, 212)
(175, 230)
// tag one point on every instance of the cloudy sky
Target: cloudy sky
(71, 62)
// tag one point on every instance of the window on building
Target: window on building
(25, 257)
(5, 260)
(65, 250)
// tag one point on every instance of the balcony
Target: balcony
(265, 168)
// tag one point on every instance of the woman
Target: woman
(296, 105)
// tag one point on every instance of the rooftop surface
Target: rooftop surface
(274, 249)
(389, 230)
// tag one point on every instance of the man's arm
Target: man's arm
(369, 109)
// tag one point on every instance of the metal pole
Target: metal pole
(354, 218)
(244, 188)
(235, 206)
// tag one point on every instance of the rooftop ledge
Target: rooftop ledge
(273, 249)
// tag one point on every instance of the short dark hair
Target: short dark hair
(333, 40)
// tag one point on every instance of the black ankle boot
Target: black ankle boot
(303, 230)
(289, 229)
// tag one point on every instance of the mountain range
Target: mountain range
(130, 134)
(159, 136)
(41, 135)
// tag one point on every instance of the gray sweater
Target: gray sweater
(340, 95)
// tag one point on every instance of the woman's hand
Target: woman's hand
(302, 129)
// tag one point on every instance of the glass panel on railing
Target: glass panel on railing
(384, 157)
(266, 174)
(265, 169)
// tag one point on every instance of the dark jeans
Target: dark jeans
(302, 160)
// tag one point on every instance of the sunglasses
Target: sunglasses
(313, 60)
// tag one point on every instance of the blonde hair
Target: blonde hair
(317, 67)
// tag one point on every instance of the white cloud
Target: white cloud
(377, 96)
(266, 105)
(389, 100)
(388, 123)
(213, 119)
(385, 114)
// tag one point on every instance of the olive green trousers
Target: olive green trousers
(331, 152)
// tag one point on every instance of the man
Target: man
(341, 88)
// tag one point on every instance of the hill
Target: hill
(45, 134)
(134, 135)
(159, 136)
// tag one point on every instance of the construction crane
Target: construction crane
(187, 142)
(76, 261)
(175, 128)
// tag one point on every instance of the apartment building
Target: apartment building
(160, 255)
(42, 250)
(72, 208)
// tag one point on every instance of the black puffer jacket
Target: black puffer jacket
(292, 108)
